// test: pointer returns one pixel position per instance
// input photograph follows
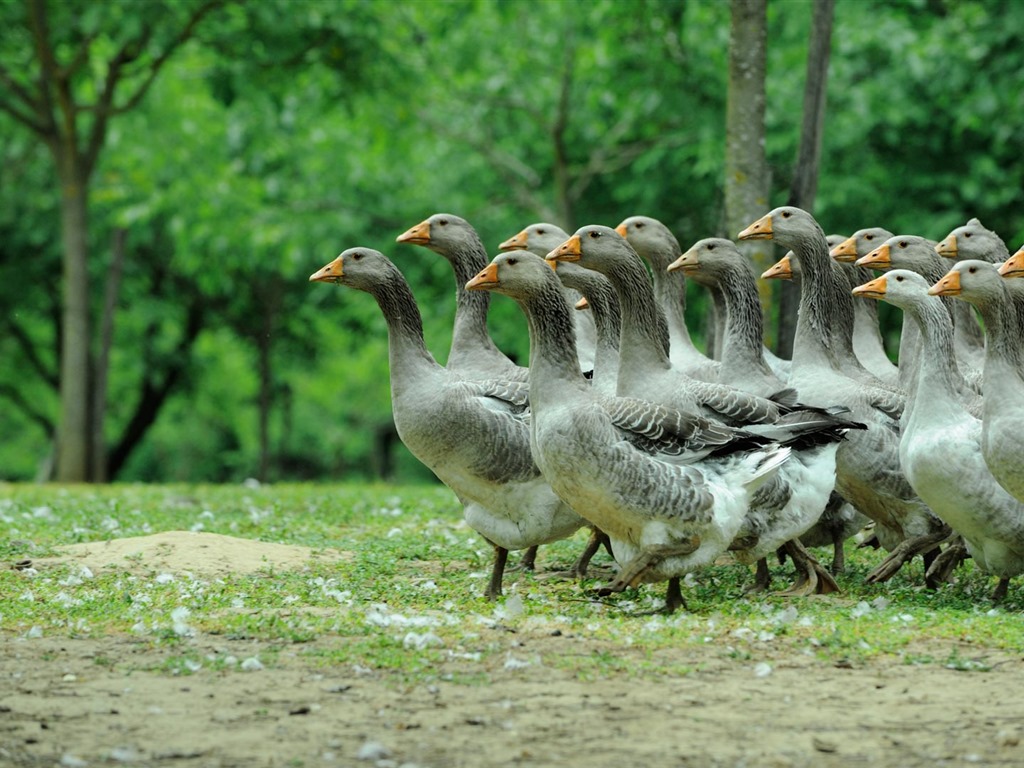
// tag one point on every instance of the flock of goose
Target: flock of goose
(671, 457)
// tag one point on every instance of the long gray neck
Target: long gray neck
(554, 367)
(744, 323)
(825, 322)
(939, 385)
(670, 293)
(470, 330)
(407, 352)
(1003, 320)
(644, 337)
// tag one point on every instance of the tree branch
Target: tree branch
(28, 348)
(12, 394)
(28, 100)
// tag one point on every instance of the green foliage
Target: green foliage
(286, 131)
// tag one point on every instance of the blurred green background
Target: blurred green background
(275, 134)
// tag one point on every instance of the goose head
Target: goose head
(901, 252)
(539, 239)
(707, 260)
(975, 281)
(359, 268)
(786, 268)
(972, 241)
(651, 239)
(787, 225)
(443, 233)
(595, 247)
(516, 274)
(900, 287)
(859, 244)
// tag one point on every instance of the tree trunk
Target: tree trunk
(73, 435)
(805, 175)
(99, 394)
(746, 170)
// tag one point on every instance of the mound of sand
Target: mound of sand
(207, 555)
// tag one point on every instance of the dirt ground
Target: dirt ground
(83, 702)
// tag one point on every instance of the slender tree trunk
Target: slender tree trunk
(98, 454)
(805, 175)
(263, 344)
(73, 435)
(746, 170)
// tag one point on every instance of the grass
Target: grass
(406, 602)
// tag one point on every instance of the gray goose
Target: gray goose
(840, 520)
(826, 371)
(867, 338)
(656, 244)
(645, 371)
(473, 434)
(979, 283)
(538, 239)
(473, 352)
(717, 263)
(670, 489)
(918, 255)
(941, 442)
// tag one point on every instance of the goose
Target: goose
(941, 442)
(473, 434)
(973, 241)
(1002, 440)
(656, 245)
(825, 371)
(645, 369)
(867, 338)
(646, 372)
(600, 300)
(669, 488)
(718, 263)
(538, 239)
(918, 255)
(473, 352)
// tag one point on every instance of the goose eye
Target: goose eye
(443, 222)
(972, 270)
(899, 279)
(967, 234)
(512, 262)
(357, 256)
(595, 234)
(639, 225)
(903, 243)
(540, 231)
(786, 214)
(869, 237)
(711, 247)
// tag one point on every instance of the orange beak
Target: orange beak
(486, 278)
(947, 286)
(329, 273)
(515, 243)
(873, 290)
(1013, 266)
(947, 247)
(880, 258)
(846, 251)
(622, 229)
(418, 235)
(759, 230)
(780, 270)
(582, 303)
(570, 250)
(688, 262)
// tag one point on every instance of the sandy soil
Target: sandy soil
(85, 702)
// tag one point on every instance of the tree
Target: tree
(68, 70)
(804, 187)
(746, 169)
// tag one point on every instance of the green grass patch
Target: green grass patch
(405, 600)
